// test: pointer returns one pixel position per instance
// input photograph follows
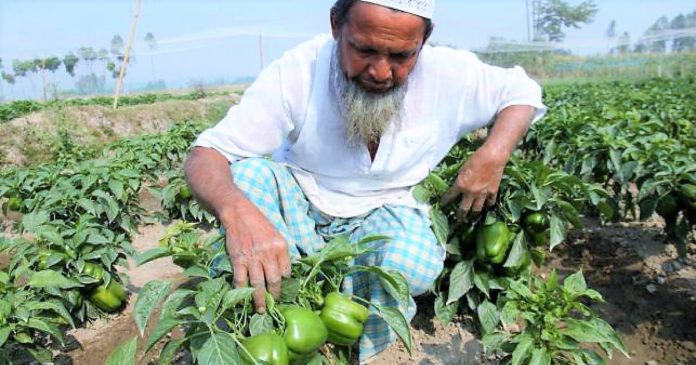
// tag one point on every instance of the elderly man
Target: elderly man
(353, 122)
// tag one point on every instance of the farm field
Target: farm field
(104, 246)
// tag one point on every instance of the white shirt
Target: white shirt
(291, 112)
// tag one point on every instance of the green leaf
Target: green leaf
(32, 221)
(393, 282)
(51, 279)
(558, 232)
(46, 327)
(124, 354)
(493, 341)
(444, 312)
(523, 349)
(488, 316)
(440, 225)
(289, 289)
(151, 255)
(260, 323)
(516, 255)
(166, 356)
(236, 296)
(482, 282)
(397, 322)
(148, 298)
(575, 284)
(594, 330)
(461, 280)
(521, 289)
(421, 194)
(168, 317)
(218, 349)
(117, 189)
(540, 357)
(4, 334)
(509, 313)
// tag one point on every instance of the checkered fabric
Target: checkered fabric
(412, 250)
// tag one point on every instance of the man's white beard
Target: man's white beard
(367, 115)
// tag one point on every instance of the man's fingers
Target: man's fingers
(450, 195)
(272, 278)
(491, 199)
(465, 205)
(284, 264)
(477, 205)
(258, 281)
(241, 279)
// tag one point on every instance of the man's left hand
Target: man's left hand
(477, 182)
(479, 179)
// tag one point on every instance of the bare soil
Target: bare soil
(650, 298)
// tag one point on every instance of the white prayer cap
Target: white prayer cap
(422, 8)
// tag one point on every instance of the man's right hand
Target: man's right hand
(258, 252)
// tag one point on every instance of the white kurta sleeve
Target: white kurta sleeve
(259, 124)
(492, 89)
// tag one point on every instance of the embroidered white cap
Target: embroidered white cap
(422, 8)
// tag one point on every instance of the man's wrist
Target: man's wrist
(495, 154)
(229, 207)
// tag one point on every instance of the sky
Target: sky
(208, 40)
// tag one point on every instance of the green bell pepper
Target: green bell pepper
(535, 222)
(343, 318)
(492, 242)
(15, 204)
(667, 206)
(688, 192)
(94, 271)
(108, 298)
(304, 332)
(265, 348)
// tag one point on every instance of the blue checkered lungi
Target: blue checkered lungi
(412, 250)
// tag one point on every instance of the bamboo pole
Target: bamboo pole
(126, 55)
(261, 61)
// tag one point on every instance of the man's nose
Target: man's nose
(380, 70)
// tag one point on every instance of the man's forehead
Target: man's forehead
(422, 8)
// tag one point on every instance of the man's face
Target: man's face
(378, 46)
(377, 49)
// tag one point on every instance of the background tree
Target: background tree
(117, 45)
(9, 79)
(624, 44)
(552, 16)
(611, 34)
(47, 64)
(70, 62)
(88, 55)
(23, 69)
(152, 45)
(684, 43)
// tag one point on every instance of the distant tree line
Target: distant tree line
(665, 35)
(88, 67)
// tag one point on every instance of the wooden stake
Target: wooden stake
(261, 50)
(126, 56)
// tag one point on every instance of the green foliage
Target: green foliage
(20, 108)
(555, 323)
(218, 318)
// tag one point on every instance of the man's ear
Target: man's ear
(428, 33)
(334, 25)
